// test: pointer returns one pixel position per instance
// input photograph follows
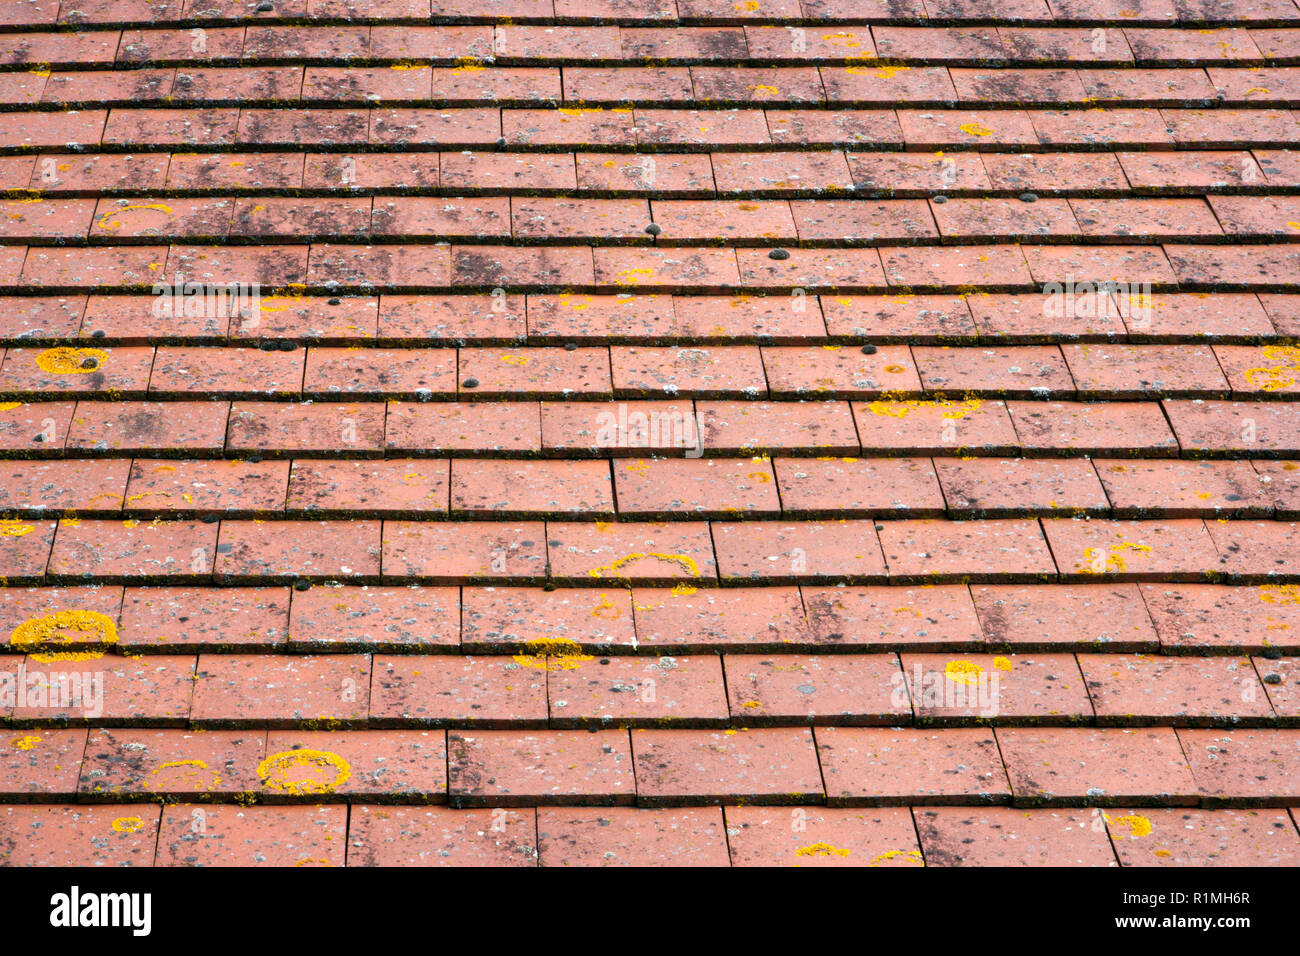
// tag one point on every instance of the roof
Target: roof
(787, 432)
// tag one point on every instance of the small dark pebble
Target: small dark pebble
(1272, 653)
(98, 334)
(940, 200)
(209, 519)
(335, 301)
(778, 254)
(265, 7)
(91, 362)
(501, 141)
(868, 350)
(287, 346)
(604, 660)
(549, 586)
(570, 346)
(38, 438)
(653, 229)
(470, 383)
(1028, 197)
(267, 346)
(1272, 678)
(302, 585)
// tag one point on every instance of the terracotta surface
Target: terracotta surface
(649, 432)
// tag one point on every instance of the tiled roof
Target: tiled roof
(660, 431)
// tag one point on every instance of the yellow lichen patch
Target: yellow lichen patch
(842, 38)
(10, 406)
(607, 609)
(65, 628)
(1002, 663)
(759, 89)
(1137, 825)
(127, 825)
(684, 590)
(107, 220)
(24, 742)
(1280, 594)
(13, 528)
(552, 654)
(1281, 375)
(65, 360)
(883, 72)
(900, 409)
(821, 849)
(963, 672)
(187, 776)
(304, 771)
(913, 856)
(1114, 558)
(313, 861)
(633, 276)
(280, 303)
(515, 359)
(975, 129)
(683, 561)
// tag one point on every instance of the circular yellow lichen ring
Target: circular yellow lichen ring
(273, 771)
(196, 787)
(84, 627)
